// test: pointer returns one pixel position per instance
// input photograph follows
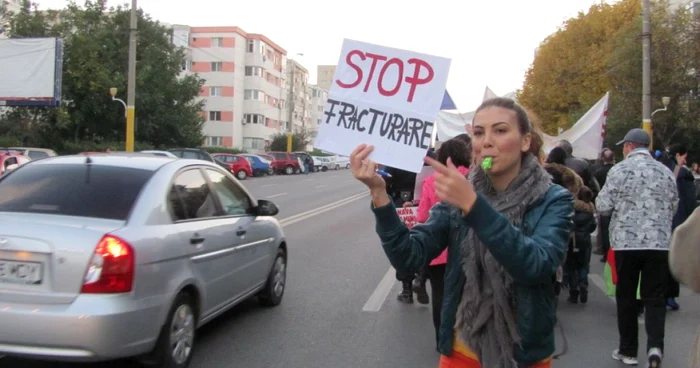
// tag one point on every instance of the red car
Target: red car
(285, 163)
(11, 161)
(239, 165)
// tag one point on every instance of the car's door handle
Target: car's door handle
(240, 232)
(196, 239)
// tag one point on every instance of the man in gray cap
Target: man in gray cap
(641, 196)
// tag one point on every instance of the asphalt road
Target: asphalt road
(340, 308)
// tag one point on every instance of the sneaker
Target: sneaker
(673, 304)
(624, 359)
(655, 356)
(406, 294)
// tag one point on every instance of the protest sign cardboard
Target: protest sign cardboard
(408, 215)
(385, 97)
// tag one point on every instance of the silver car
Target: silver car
(118, 255)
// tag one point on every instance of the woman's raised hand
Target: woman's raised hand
(363, 169)
(451, 186)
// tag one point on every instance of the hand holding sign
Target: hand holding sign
(451, 186)
(363, 169)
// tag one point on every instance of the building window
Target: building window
(318, 122)
(253, 71)
(186, 65)
(253, 143)
(215, 115)
(217, 66)
(214, 141)
(254, 118)
(217, 42)
(250, 46)
(253, 94)
(214, 91)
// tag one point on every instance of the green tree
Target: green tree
(95, 59)
(299, 142)
(568, 73)
(675, 66)
(602, 51)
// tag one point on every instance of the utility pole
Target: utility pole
(293, 105)
(131, 87)
(646, 70)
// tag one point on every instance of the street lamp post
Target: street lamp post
(665, 101)
(113, 92)
(131, 87)
(646, 66)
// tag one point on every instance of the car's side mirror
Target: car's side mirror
(266, 208)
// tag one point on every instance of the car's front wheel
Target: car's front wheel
(272, 294)
(175, 345)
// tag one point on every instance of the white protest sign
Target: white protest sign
(408, 215)
(385, 97)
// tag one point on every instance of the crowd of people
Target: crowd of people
(499, 243)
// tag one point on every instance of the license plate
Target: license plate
(26, 273)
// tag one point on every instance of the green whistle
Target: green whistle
(486, 164)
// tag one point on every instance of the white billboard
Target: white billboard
(30, 71)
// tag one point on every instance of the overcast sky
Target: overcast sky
(490, 42)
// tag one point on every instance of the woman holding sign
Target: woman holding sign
(506, 229)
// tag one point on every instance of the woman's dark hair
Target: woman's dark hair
(557, 156)
(525, 126)
(457, 150)
(677, 149)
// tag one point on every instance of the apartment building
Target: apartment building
(245, 85)
(298, 100)
(324, 76)
(317, 100)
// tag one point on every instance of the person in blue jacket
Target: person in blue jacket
(506, 228)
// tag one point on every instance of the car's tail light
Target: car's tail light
(111, 269)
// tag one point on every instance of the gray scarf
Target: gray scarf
(486, 317)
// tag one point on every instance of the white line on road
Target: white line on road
(376, 300)
(317, 211)
(321, 186)
(276, 195)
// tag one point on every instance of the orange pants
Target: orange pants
(458, 360)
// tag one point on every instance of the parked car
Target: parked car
(260, 166)
(34, 153)
(325, 163)
(12, 161)
(197, 154)
(160, 153)
(271, 161)
(119, 255)
(339, 161)
(317, 163)
(285, 163)
(238, 165)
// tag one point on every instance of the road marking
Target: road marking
(269, 185)
(378, 297)
(321, 186)
(306, 180)
(600, 283)
(276, 195)
(317, 211)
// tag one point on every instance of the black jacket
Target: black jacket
(580, 243)
(687, 194)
